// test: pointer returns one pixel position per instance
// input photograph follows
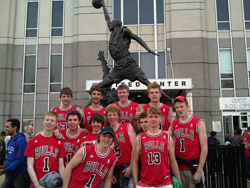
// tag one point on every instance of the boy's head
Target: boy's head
(143, 121)
(50, 120)
(106, 132)
(95, 88)
(97, 117)
(123, 93)
(181, 106)
(213, 134)
(96, 94)
(153, 86)
(74, 113)
(154, 117)
(12, 126)
(66, 97)
(112, 108)
(66, 91)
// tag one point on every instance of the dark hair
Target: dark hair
(72, 113)
(98, 118)
(15, 123)
(3, 133)
(95, 88)
(238, 131)
(66, 91)
(142, 115)
(213, 133)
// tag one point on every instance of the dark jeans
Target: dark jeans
(248, 167)
(16, 181)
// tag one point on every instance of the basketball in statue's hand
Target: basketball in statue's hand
(97, 3)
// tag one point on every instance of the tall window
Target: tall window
(139, 11)
(248, 65)
(246, 4)
(149, 16)
(29, 74)
(226, 68)
(57, 18)
(32, 17)
(222, 15)
(56, 73)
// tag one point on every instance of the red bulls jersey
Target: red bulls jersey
(46, 152)
(165, 115)
(93, 169)
(87, 113)
(62, 114)
(71, 143)
(122, 144)
(128, 111)
(187, 145)
(246, 141)
(90, 137)
(155, 169)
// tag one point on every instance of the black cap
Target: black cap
(107, 130)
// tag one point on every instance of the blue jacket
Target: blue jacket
(17, 163)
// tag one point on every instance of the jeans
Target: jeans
(16, 181)
(248, 167)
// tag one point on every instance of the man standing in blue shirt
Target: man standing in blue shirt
(15, 170)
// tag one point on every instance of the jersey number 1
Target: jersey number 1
(91, 179)
(182, 149)
(46, 164)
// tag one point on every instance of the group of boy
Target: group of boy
(158, 141)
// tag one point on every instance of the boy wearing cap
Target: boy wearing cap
(154, 93)
(123, 146)
(96, 94)
(92, 163)
(189, 133)
(66, 96)
(156, 151)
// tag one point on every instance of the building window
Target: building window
(29, 74)
(226, 68)
(222, 14)
(147, 63)
(139, 11)
(32, 17)
(248, 65)
(57, 18)
(246, 4)
(56, 73)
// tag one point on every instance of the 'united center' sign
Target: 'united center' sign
(164, 83)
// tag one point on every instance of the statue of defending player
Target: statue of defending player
(125, 66)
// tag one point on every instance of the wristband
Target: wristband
(136, 182)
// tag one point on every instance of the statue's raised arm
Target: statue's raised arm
(106, 14)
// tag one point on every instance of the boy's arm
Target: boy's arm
(135, 159)
(76, 160)
(173, 163)
(61, 166)
(32, 172)
(108, 178)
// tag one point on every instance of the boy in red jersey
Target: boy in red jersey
(190, 137)
(130, 110)
(156, 150)
(246, 142)
(72, 136)
(96, 94)
(44, 152)
(92, 163)
(154, 93)
(124, 142)
(66, 97)
(96, 121)
(143, 122)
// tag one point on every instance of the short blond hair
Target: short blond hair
(50, 113)
(154, 110)
(123, 86)
(113, 108)
(154, 86)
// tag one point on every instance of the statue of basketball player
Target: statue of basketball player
(125, 66)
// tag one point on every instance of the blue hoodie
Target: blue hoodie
(17, 163)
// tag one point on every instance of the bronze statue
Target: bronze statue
(120, 39)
